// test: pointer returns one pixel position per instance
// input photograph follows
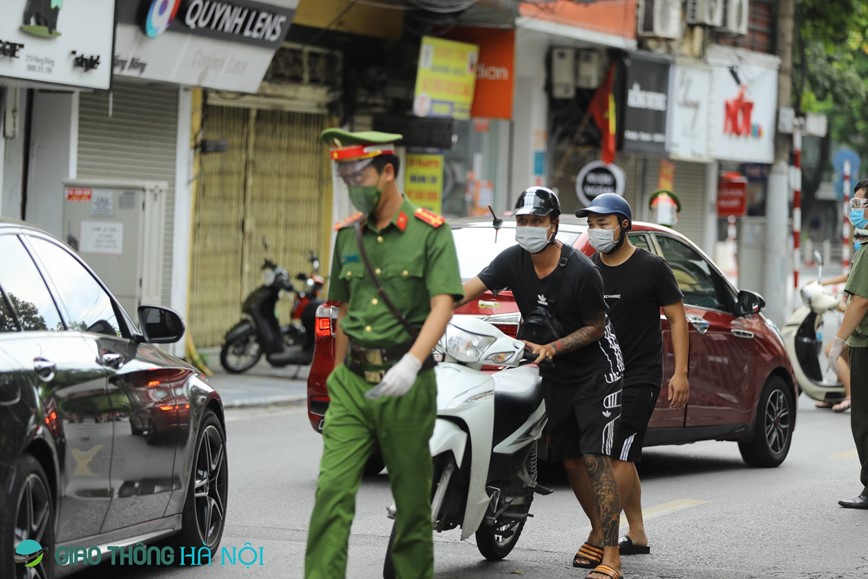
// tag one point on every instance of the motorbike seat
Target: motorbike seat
(514, 401)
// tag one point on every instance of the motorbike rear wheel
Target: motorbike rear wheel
(241, 353)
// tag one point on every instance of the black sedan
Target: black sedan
(106, 441)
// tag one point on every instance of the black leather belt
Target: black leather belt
(372, 363)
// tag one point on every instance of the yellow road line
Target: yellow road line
(846, 454)
(664, 509)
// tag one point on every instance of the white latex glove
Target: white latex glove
(398, 379)
(834, 353)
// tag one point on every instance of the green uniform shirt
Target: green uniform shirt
(857, 284)
(414, 262)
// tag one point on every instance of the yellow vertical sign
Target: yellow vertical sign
(445, 78)
(423, 181)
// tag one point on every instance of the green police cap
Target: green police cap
(349, 146)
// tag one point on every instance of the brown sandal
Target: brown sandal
(588, 556)
(604, 570)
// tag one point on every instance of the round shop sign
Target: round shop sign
(597, 178)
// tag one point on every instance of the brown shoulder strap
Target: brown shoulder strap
(411, 329)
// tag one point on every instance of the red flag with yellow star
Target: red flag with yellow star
(602, 107)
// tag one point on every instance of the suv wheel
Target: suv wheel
(773, 429)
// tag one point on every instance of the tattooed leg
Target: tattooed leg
(606, 493)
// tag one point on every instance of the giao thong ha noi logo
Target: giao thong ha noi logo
(29, 553)
(40, 18)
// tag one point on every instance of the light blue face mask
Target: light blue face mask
(858, 219)
(856, 246)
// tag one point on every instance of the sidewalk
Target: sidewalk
(262, 385)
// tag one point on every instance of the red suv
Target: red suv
(742, 387)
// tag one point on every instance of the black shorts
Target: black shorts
(637, 404)
(583, 418)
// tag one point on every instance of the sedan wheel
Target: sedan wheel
(773, 430)
(204, 516)
(27, 529)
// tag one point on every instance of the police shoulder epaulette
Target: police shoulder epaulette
(351, 220)
(429, 217)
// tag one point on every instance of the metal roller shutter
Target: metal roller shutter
(268, 184)
(132, 134)
(689, 185)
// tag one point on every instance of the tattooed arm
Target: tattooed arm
(575, 341)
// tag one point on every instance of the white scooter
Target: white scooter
(485, 438)
(802, 336)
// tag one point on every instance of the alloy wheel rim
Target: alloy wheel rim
(209, 492)
(777, 424)
(32, 521)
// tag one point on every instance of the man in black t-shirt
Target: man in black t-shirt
(637, 285)
(560, 295)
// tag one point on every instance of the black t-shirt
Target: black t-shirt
(577, 302)
(635, 291)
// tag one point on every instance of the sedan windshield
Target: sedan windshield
(477, 246)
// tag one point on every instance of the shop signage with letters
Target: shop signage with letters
(647, 97)
(687, 137)
(597, 178)
(743, 100)
(732, 195)
(52, 42)
(445, 78)
(495, 85)
(423, 181)
(219, 44)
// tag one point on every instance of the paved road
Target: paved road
(709, 516)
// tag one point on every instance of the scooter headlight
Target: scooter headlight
(465, 346)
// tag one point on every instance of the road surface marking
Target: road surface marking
(664, 509)
(846, 454)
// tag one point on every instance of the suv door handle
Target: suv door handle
(698, 323)
(742, 333)
(112, 360)
(44, 369)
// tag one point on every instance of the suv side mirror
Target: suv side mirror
(160, 325)
(749, 303)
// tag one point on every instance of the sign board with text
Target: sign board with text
(647, 98)
(732, 195)
(597, 178)
(495, 83)
(223, 45)
(445, 78)
(423, 181)
(58, 43)
(687, 134)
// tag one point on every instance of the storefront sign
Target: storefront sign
(609, 23)
(647, 97)
(743, 98)
(732, 195)
(666, 178)
(446, 78)
(687, 137)
(224, 45)
(597, 178)
(55, 43)
(492, 97)
(423, 181)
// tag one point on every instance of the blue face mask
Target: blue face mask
(858, 219)
(856, 246)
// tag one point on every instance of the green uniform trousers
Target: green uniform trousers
(859, 408)
(401, 427)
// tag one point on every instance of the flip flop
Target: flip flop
(588, 556)
(606, 571)
(628, 547)
(823, 404)
(842, 405)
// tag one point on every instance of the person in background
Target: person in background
(854, 332)
(637, 285)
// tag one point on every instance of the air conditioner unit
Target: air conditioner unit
(589, 68)
(735, 17)
(660, 18)
(563, 73)
(705, 12)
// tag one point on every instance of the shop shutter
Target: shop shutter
(269, 185)
(689, 185)
(131, 133)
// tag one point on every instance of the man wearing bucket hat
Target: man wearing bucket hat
(395, 273)
(564, 323)
(638, 285)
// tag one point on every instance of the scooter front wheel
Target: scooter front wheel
(241, 352)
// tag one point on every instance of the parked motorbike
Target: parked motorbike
(485, 437)
(259, 330)
(803, 338)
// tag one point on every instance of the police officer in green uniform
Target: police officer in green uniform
(384, 392)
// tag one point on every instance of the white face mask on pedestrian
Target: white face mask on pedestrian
(603, 240)
(532, 239)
